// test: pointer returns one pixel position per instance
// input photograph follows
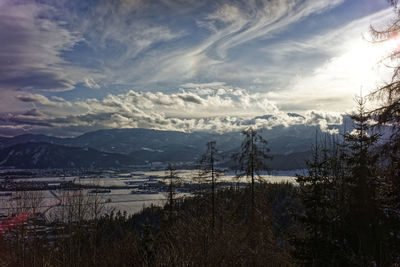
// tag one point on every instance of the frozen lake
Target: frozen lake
(128, 192)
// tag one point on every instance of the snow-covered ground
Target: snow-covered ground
(131, 199)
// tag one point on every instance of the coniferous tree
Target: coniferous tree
(342, 216)
(210, 171)
(364, 214)
(147, 244)
(172, 180)
(252, 158)
(388, 114)
(318, 194)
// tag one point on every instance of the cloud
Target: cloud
(223, 55)
(120, 31)
(13, 130)
(351, 63)
(142, 43)
(204, 85)
(323, 119)
(221, 110)
(31, 48)
(147, 43)
(247, 21)
(202, 54)
(33, 113)
(41, 99)
(91, 83)
(190, 97)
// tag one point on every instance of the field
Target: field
(125, 192)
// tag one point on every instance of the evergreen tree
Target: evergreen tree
(364, 212)
(343, 219)
(320, 243)
(388, 114)
(252, 158)
(209, 171)
(146, 244)
(172, 180)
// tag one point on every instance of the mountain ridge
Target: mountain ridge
(40, 155)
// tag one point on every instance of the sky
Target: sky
(70, 66)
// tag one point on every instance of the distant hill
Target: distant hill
(124, 147)
(44, 155)
(282, 140)
(50, 156)
(25, 138)
(292, 161)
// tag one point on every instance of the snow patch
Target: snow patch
(38, 155)
(151, 150)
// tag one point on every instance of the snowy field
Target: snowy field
(139, 190)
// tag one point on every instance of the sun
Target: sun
(393, 43)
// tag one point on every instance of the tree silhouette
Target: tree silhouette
(209, 171)
(363, 203)
(322, 190)
(172, 180)
(342, 215)
(388, 114)
(252, 157)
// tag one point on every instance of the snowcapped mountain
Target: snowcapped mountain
(124, 147)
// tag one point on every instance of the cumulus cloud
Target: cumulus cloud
(323, 120)
(221, 110)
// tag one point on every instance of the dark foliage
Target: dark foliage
(150, 238)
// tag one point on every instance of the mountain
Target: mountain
(295, 115)
(292, 161)
(281, 139)
(124, 147)
(25, 138)
(141, 141)
(41, 155)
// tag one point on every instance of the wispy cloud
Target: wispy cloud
(244, 22)
(352, 64)
(231, 25)
(194, 65)
(31, 47)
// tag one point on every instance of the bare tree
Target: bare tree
(77, 216)
(24, 207)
